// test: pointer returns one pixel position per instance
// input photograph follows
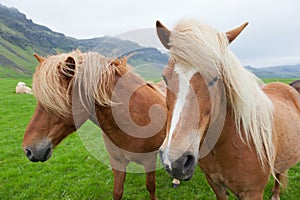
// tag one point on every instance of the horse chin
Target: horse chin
(189, 177)
(178, 175)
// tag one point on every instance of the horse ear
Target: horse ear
(163, 34)
(69, 70)
(40, 59)
(232, 34)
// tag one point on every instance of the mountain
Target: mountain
(284, 71)
(21, 37)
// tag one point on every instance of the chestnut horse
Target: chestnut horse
(71, 88)
(220, 117)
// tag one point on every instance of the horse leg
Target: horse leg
(119, 179)
(219, 190)
(150, 167)
(276, 189)
(150, 184)
(118, 163)
(281, 178)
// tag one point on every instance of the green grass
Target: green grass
(73, 173)
(283, 80)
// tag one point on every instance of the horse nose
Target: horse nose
(182, 168)
(29, 154)
(188, 163)
(185, 163)
(38, 154)
(166, 166)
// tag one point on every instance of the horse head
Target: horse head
(193, 98)
(52, 120)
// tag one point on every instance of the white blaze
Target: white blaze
(183, 89)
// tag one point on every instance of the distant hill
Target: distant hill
(21, 37)
(285, 71)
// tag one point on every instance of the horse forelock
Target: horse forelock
(197, 45)
(48, 88)
(93, 78)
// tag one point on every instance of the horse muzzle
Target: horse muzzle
(41, 152)
(182, 168)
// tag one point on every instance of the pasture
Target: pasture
(73, 173)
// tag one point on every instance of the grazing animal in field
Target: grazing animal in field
(296, 84)
(221, 118)
(73, 87)
(21, 88)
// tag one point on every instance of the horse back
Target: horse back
(286, 124)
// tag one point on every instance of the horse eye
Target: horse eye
(165, 79)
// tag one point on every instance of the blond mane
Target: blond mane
(93, 76)
(197, 45)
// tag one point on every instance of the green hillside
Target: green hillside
(21, 37)
(15, 61)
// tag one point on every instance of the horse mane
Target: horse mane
(197, 45)
(91, 74)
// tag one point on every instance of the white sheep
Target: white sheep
(21, 88)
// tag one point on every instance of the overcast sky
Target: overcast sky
(271, 38)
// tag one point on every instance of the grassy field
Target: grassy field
(73, 173)
(284, 80)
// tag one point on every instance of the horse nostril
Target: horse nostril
(47, 154)
(28, 153)
(48, 151)
(189, 163)
(167, 167)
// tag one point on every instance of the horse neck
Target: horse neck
(131, 101)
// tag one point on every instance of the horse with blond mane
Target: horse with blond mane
(221, 117)
(73, 87)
